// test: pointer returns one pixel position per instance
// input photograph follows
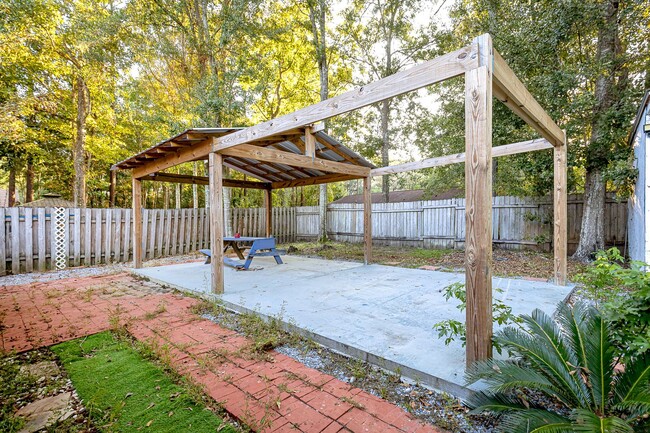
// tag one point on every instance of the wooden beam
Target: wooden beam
(478, 214)
(292, 159)
(184, 154)
(512, 92)
(268, 201)
(136, 191)
(319, 180)
(560, 215)
(216, 222)
(205, 180)
(439, 69)
(310, 143)
(367, 220)
(508, 149)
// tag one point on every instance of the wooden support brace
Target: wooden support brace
(310, 143)
(294, 160)
(367, 220)
(478, 214)
(560, 214)
(136, 189)
(268, 201)
(508, 149)
(216, 222)
(512, 92)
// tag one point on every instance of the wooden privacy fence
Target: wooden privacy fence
(99, 236)
(516, 223)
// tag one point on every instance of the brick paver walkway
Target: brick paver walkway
(273, 394)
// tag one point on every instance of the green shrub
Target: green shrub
(563, 378)
(623, 295)
(452, 329)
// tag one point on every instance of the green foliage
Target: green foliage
(453, 329)
(564, 377)
(623, 295)
(124, 390)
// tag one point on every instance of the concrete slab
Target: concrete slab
(382, 314)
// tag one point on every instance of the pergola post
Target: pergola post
(268, 202)
(136, 193)
(478, 207)
(560, 213)
(367, 220)
(216, 221)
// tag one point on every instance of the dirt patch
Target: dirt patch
(37, 395)
(505, 263)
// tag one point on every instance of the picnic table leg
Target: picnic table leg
(249, 259)
(276, 256)
(237, 250)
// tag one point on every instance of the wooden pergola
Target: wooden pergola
(292, 151)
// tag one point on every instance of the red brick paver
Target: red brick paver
(273, 394)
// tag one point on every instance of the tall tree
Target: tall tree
(585, 62)
(383, 41)
(318, 19)
(611, 83)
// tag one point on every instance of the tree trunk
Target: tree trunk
(195, 187)
(177, 201)
(111, 188)
(29, 182)
(166, 201)
(206, 189)
(227, 206)
(385, 146)
(318, 19)
(78, 149)
(11, 200)
(592, 231)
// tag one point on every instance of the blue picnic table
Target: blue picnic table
(257, 247)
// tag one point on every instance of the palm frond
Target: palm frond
(535, 421)
(633, 409)
(544, 347)
(585, 421)
(634, 383)
(571, 320)
(503, 376)
(600, 361)
(485, 401)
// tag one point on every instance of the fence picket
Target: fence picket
(117, 243)
(29, 240)
(42, 252)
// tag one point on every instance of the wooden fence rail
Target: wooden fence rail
(99, 236)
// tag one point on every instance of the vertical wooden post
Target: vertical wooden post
(560, 213)
(478, 208)
(136, 191)
(216, 221)
(310, 143)
(268, 201)
(367, 220)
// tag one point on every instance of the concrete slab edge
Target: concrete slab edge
(388, 365)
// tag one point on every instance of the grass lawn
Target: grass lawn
(125, 392)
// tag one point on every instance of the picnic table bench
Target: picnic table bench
(258, 247)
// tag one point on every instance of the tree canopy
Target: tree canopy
(84, 84)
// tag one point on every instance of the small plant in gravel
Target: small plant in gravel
(623, 295)
(452, 329)
(565, 377)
